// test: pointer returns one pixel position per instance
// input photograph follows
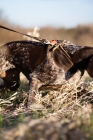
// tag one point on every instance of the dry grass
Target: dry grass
(65, 113)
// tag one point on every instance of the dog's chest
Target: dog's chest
(48, 72)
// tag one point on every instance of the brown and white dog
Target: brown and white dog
(42, 64)
(34, 60)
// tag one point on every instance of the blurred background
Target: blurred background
(50, 19)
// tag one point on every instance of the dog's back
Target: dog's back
(26, 55)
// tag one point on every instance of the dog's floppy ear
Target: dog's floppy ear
(61, 58)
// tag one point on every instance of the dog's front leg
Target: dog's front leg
(34, 85)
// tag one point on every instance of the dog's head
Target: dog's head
(72, 57)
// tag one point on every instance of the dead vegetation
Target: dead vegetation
(80, 35)
(65, 114)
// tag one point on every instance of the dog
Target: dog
(34, 60)
(41, 63)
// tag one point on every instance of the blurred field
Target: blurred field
(81, 35)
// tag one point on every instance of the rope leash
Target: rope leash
(33, 37)
(57, 45)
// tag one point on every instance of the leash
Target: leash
(55, 45)
(33, 37)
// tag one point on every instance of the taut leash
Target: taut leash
(55, 46)
(33, 37)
